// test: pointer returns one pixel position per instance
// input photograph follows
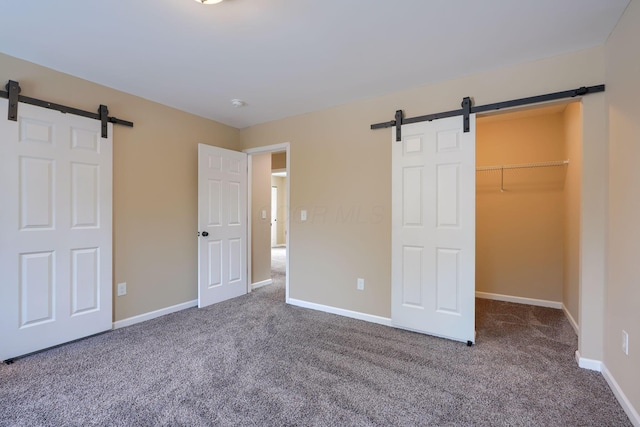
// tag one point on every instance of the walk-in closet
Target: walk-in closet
(528, 206)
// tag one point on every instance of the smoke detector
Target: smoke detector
(238, 103)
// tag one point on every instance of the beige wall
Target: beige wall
(519, 232)
(593, 238)
(623, 279)
(279, 161)
(154, 184)
(260, 228)
(572, 190)
(348, 234)
(280, 183)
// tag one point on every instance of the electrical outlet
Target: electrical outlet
(625, 342)
(122, 289)
(360, 284)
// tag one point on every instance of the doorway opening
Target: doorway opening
(269, 219)
(528, 207)
(279, 213)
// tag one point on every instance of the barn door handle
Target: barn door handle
(205, 234)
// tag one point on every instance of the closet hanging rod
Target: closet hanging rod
(524, 165)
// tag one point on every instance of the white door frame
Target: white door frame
(274, 216)
(275, 148)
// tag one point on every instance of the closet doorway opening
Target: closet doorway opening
(528, 207)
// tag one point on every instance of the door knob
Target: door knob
(205, 234)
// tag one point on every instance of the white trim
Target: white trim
(287, 229)
(341, 312)
(275, 148)
(571, 320)
(257, 285)
(590, 364)
(632, 413)
(519, 300)
(268, 149)
(249, 222)
(153, 314)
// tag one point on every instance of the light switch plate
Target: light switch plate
(122, 289)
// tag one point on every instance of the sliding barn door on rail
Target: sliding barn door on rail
(55, 229)
(433, 229)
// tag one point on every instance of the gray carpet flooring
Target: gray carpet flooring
(254, 361)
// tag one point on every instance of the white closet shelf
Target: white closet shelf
(523, 165)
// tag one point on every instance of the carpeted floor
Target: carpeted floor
(254, 361)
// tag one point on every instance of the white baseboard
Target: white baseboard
(632, 413)
(257, 285)
(341, 312)
(571, 320)
(153, 314)
(519, 300)
(590, 364)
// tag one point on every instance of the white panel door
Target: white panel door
(433, 229)
(55, 229)
(222, 222)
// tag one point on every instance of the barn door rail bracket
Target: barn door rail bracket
(468, 108)
(14, 97)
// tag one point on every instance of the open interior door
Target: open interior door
(222, 222)
(433, 229)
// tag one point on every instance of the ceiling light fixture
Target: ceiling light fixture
(238, 103)
(208, 1)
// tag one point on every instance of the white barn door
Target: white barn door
(55, 229)
(433, 229)
(222, 222)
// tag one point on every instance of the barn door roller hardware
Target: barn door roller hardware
(468, 108)
(13, 95)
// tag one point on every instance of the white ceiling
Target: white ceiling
(286, 57)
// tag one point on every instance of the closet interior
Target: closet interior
(528, 185)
